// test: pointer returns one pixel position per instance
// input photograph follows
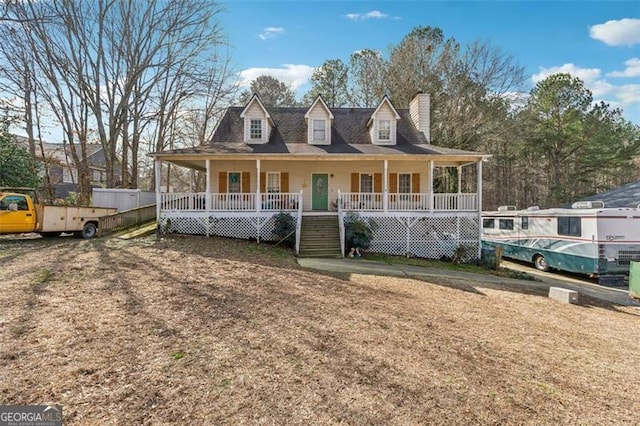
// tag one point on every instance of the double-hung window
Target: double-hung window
(384, 130)
(366, 182)
(404, 183)
(273, 182)
(255, 129)
(319, 132)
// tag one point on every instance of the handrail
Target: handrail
(125, 219)
(299, 224)
(341, 222)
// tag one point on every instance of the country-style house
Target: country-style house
(321, 161)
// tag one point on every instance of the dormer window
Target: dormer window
(319, 130)
(318, 118)
(255, 131)
(384, 130)
(257, 122)
(383, 124)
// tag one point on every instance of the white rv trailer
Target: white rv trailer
(587, 238)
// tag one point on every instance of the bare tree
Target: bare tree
(108, 65)
(367, 77)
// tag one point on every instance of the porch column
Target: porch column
(431, 194)
(207, 199)
(258, 203)
(157, 169)
(479, 197)
(459, 179)
(385, 188)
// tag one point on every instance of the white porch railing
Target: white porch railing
(292, 201)
(182, 201)
(280, 201)
(404, 202)
(299, 224)
(201, 201)
(466, 202)
(409, 202)
(361, 201)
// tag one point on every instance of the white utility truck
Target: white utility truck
(19, 214)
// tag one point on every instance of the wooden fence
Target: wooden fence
(126, 219)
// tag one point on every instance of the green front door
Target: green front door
(320, 191)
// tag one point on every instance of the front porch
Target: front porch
(425, 225)
(383, 193)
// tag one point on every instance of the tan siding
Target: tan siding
(300, 173)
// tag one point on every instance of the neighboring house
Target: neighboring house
(62, 170)
(378, 163)
(625, 196)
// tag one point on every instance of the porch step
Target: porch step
(320, 237)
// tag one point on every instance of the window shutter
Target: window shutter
(246, 182)
(415, 182)
(377, 182)
(263, 182)
(355, 182)
(284, 182)
(393, 183)
(222, 182)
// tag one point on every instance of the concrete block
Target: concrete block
(563, 295)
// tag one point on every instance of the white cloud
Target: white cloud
(587, 75)
(270, 32)
(374, 14)
(617, 33)
(632, 70)
(294, 74)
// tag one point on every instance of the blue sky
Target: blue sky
(597, 41)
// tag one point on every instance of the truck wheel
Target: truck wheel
(540, 263)
(89, 230)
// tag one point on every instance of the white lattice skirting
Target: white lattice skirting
(244, 227)
(431, 237)
(427, 237)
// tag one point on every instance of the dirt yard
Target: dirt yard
(190, 330)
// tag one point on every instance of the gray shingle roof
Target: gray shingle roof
(624, 196)
(349, 135)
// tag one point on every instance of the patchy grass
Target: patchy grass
(43, 276)
(196, 330)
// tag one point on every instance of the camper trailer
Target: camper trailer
(587, 238)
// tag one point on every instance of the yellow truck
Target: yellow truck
(19, 214)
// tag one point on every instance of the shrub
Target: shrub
(358, 233)
(284, 229)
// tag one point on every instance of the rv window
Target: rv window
(488, 223)
(571, 226)
(505, 224)
(525, 222)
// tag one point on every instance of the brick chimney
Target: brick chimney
(420, 111)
